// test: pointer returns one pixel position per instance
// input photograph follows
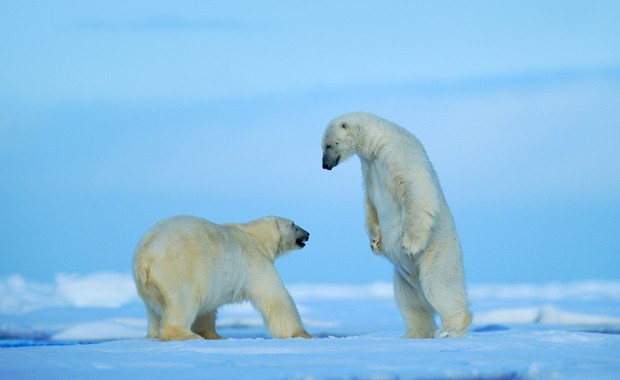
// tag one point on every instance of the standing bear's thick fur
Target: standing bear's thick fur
(407, 220)
(186, 267)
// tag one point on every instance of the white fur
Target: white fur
(407, 220)
(186, 267)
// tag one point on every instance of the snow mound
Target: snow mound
(374, 290)
(103, 330)
(546, 314)
(105, 290)
(556, 291)
(108, 290)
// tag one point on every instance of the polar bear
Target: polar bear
(407, 220)
(186, 267)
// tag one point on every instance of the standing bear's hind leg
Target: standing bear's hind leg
(448, 297)
(415, 309)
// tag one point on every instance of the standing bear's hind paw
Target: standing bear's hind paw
(450, 333)
(302, 334)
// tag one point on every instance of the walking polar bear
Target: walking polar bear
(407, 220)
(186, 267)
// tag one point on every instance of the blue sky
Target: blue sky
(115, 115)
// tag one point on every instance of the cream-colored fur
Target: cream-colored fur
(186, 267)
(407, 220)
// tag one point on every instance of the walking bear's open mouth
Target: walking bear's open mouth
(301, 241)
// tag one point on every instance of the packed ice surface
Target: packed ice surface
(93, 326)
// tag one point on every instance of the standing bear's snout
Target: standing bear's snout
(330, 162)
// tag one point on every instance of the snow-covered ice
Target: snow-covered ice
(92, 326)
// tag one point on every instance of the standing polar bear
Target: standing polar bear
(407, 221)
(186, 267)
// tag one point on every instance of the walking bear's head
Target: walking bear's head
(291, 236)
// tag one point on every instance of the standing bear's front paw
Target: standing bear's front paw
(375, 244)
(411, 245)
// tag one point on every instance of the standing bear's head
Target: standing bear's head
(339, 142)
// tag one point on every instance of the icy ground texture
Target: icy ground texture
(522, 331)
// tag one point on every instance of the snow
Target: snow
(93, 326)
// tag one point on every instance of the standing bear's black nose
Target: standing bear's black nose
(330, 160)
(326, 164)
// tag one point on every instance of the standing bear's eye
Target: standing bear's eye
(328, 146)
(343, 125)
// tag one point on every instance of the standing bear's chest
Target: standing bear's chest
(381, 190)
